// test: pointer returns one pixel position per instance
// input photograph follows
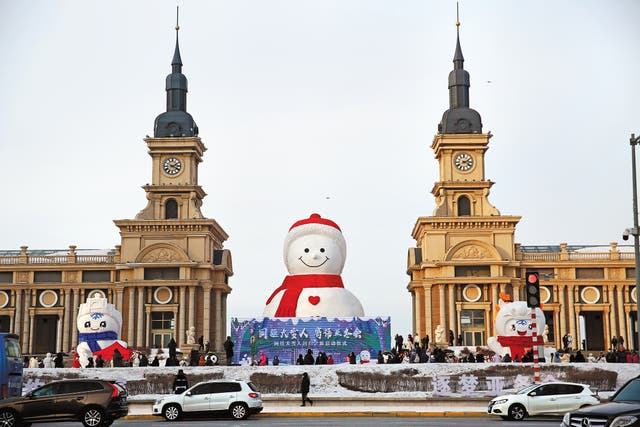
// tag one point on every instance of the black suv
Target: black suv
(622, 410)
(94, 402)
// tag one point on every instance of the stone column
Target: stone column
(26, 342)
(443, 311)
(612, 317)
(621, 317)
(66, 321)
(192, 310)
(453, 324)
(147, 337)
(494, 303)
(74, 315)
(563, 311)
(32, 321)
(17, 329)
(182, 324)
(59, 334)
(418, 304)
(220, 326)
(206, 313)
(224, 319)
(428, 327)
(573, 314)
(119, 299)
(131, 316)
(140, 337)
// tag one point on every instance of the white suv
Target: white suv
(543, 399)
(236, 398)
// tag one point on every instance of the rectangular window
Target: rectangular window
(170, 273)
(6, 277)
(630, 273)
(47, 277)
(96, 276)
(473, 271)
(589, 273)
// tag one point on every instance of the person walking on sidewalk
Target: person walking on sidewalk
(304, 389)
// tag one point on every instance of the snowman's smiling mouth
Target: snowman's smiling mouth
(326, 258)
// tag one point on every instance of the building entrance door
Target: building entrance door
(45, 333)
(593, 332)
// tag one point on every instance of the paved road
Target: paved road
(335, 422)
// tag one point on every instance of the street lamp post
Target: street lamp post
(636, 238)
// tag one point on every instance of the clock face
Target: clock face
(172, 166)
(463, 161)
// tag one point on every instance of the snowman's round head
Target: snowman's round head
(315, 246)
(97, 315)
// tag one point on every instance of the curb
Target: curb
(346, 414)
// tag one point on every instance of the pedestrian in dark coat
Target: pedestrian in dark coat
(116, 358)
(180, 382)
(58, 361)
(304, 389)
(172, 348)
(228, 349)
(308, 358)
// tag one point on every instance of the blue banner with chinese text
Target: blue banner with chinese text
(290, 337)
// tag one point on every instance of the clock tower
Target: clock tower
(174, 271)
(464, 254)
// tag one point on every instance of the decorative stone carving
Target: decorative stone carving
(22, 276)
(72, 276)
(162, 255)
(441, 338)
(191, 335)
(471, 252)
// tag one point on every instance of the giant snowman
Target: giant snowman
(99, 325)
(514, 328)
(314, 254)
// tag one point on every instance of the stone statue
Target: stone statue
(440, 336)
(191, 335)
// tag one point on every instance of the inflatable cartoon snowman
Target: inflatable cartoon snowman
(99, 324)
(314, 254)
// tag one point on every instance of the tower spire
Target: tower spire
(176, 122)
(459, 118)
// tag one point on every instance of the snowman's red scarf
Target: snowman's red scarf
(293, 286)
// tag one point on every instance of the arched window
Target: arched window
(171, 209)
(464, 206)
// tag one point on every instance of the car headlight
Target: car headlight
(566, 420)
(158, 401)
(498, 402)
(625, 420)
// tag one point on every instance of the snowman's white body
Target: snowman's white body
(310, 250)
(333, 302)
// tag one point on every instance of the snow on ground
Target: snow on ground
(324, 378)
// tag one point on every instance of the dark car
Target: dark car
(95, 403)
(622, 410)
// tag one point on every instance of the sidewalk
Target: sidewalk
(289, 406)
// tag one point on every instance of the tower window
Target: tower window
(464, 206)
(171, 209)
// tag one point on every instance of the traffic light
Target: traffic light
(533, 289)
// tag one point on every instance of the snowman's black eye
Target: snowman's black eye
(321, 249)
(103, 324)
(306, 250)
(87, 324)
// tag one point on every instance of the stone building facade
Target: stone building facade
(466, 255)
(169, 273)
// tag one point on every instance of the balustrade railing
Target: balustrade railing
(59, 259)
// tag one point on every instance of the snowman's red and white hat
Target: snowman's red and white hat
(315, 224)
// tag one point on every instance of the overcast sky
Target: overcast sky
(317, 106)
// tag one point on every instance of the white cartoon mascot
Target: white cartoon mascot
(99, 325)
(514, 328)
(314, 253)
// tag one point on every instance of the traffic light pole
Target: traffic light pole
(534, 334)
(636, 243)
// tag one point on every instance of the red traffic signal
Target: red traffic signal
(533, 289)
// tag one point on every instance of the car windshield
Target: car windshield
(630, 393)
(527, 389)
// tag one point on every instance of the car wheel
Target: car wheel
(8, 418)
(93, 417)
(171, 412)
(517, 412)
(239, 411)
